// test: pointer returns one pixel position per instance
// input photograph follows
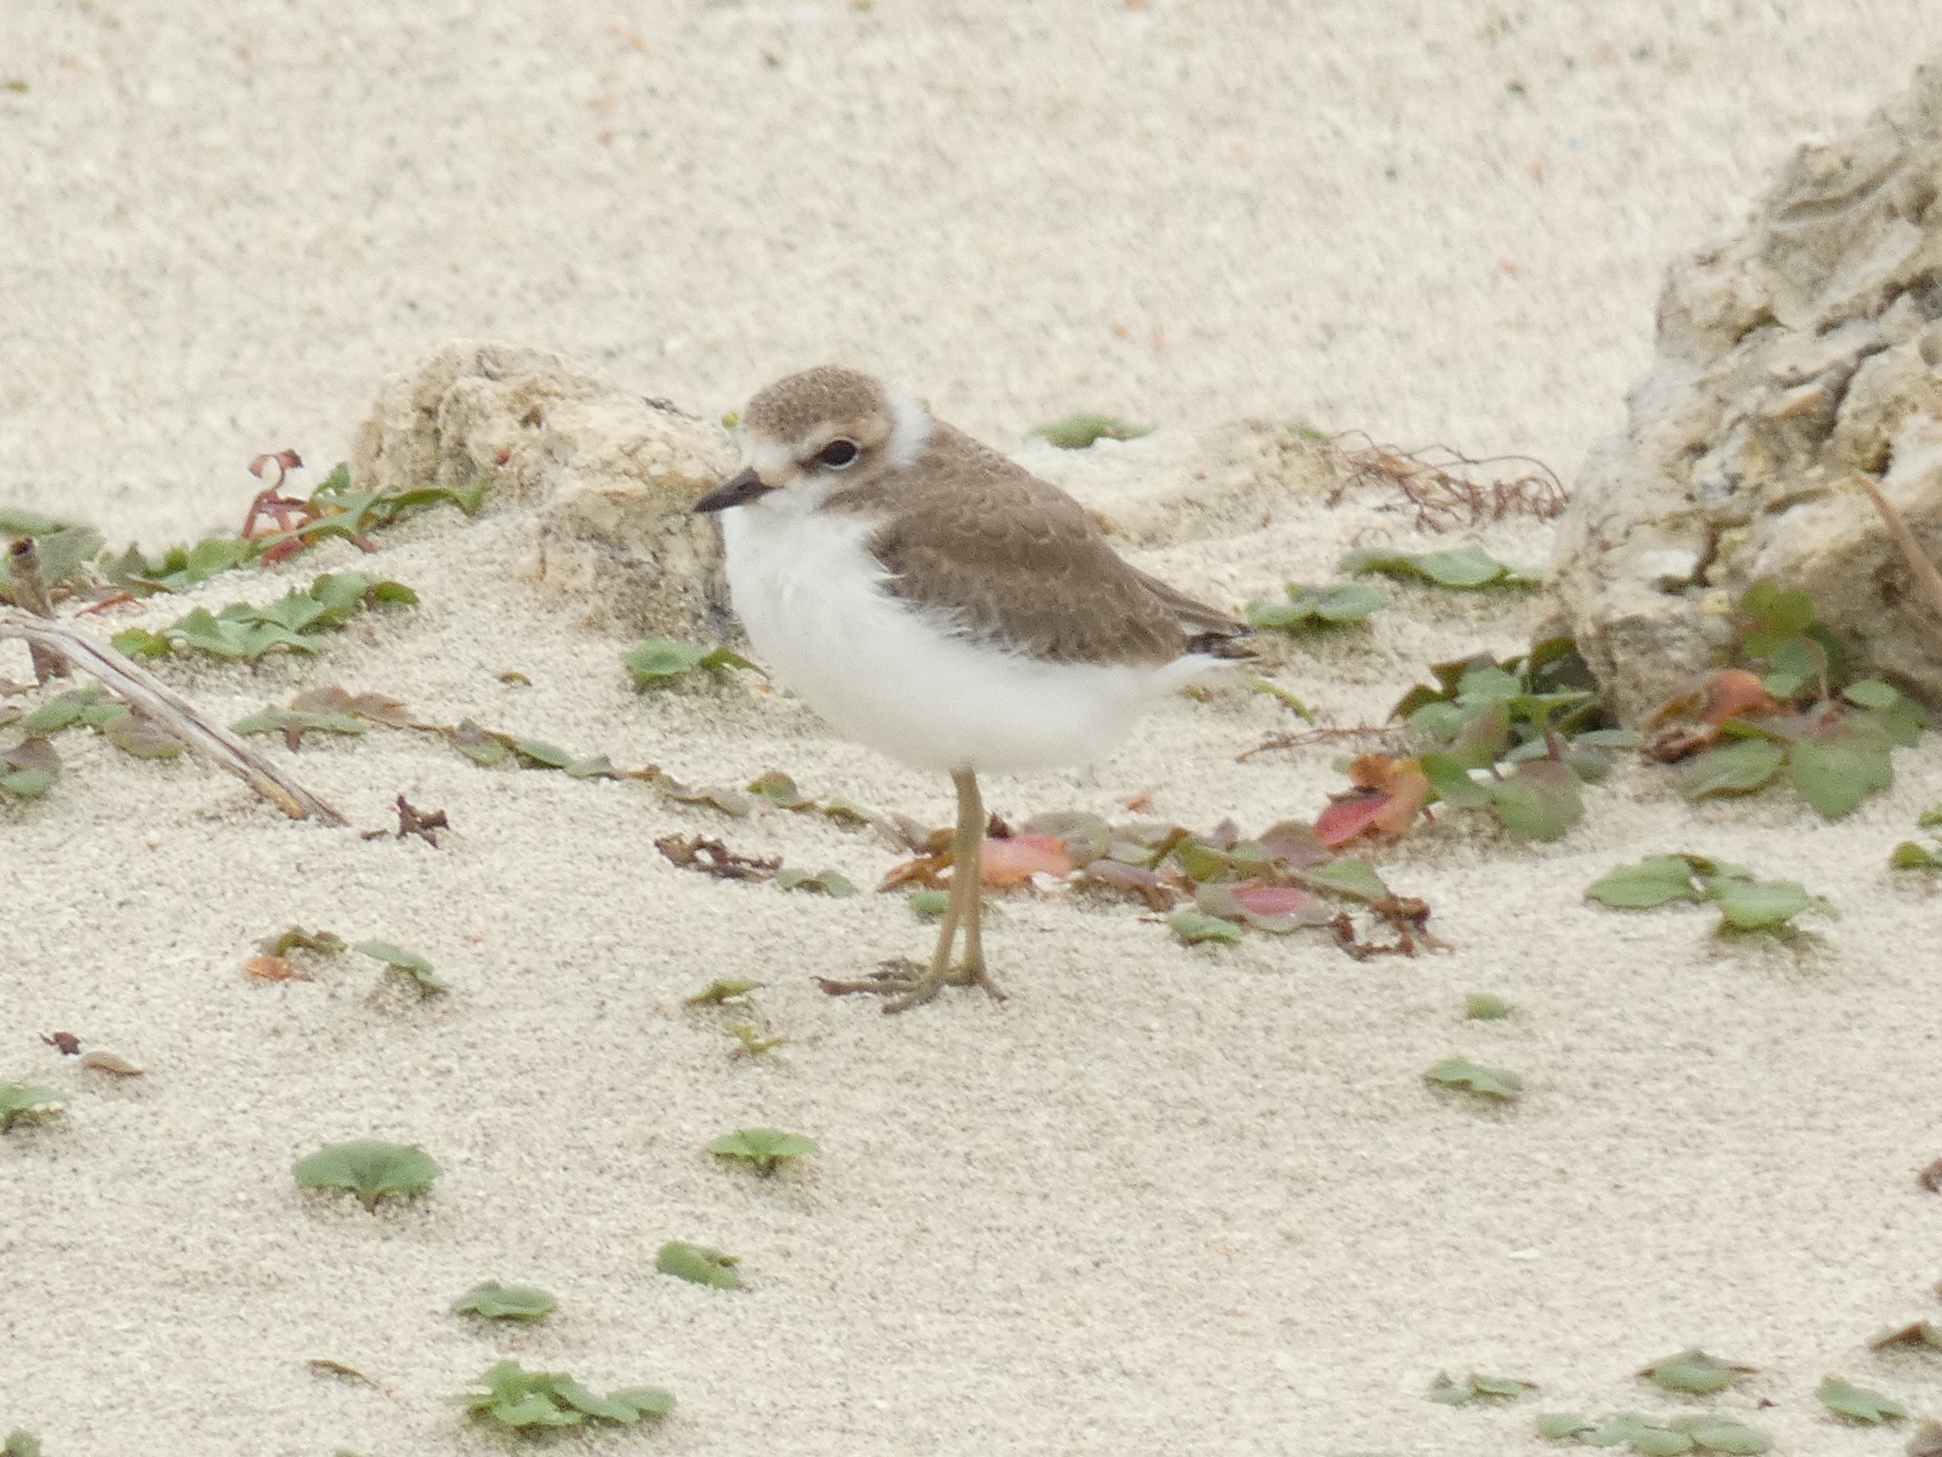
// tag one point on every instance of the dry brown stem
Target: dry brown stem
(1445, 488)
(148, 694)
(1927, 579)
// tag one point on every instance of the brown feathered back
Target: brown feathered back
(1008, 558)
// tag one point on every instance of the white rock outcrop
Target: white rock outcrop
(611, 477)
(1806, 350)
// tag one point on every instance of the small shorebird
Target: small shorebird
(935, 601)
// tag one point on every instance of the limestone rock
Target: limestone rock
(1803, 351)
(611, 478)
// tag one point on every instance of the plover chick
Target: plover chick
(935, 601)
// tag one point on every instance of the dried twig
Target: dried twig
(1447, 488)
(1361, 732)
(1927, 579)
(150, 696)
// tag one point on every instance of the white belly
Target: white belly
(807, 590)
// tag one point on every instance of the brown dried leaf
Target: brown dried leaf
(107, 1062)
(273, 968)
(422, 823)
(712, 857)
(1116, 875)
(375, 707)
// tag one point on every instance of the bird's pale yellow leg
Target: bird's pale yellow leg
(964, 909)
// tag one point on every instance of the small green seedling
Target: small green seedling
(408, 964)
(324, 943)
(489, 747)
(1694, 1372)
(659, 661)
(698, 1264)
(25, 1103)
(1745, 904)
(244, 631)
(753, 1043)
(1515, 738)
(494, 1301)
(780, 790)
(714, 796)
(1655, 1436)
(1473, 1387)
(29, 768)
(1914, 854)
(825, 882)
(926, 901)
(1796, 707)
(1485, 1007)
(1193, 927)
(1464, 569)
(1078, 432)
(1336, 605)
(1858, 1403)
(293, 724)
(530, 1400)
(1918, 1333)
(1484, 1082)
(763, 1148)
(723, 990)
(21, 1444)
(368, 1168)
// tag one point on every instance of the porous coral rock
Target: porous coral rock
(1805, 350)
(611, 477)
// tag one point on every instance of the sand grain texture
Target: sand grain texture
(1166, 1199)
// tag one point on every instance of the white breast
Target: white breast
(885, 674)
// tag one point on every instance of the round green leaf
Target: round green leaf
(1834, 775)
(1651, 882)
(24, 1102)
(762, 1147)
(505, 1302)
(698, 1264)
(1858, 1403)
(1487, 1082)
(1758, 905)
(1738, 768)
(1193, 927)
(371, 1169)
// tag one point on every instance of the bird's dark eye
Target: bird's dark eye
(838, 453)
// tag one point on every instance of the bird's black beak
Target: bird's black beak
(734, 492)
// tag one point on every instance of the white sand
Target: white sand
(1165, 1200)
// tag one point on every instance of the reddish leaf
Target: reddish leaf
(1346, 818)
(1135, 879)
(272, 968)
(1274, 900)
(1736, 693)
(1011, 862)
(1408, 789)
(1292, 842)
(1372, 771)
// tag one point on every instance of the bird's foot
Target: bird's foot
(904, 983)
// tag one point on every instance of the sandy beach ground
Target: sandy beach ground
(1166, 1199)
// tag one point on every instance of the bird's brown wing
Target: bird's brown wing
(1010, 559)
